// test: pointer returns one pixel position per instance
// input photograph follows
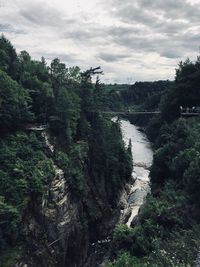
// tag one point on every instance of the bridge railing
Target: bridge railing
(190, 110)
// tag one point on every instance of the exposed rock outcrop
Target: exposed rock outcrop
(62, 229)
(55, 228)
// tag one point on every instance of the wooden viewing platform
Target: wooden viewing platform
(41, 127)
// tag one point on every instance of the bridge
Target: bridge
(130, 112)
(185, 112)
(188, 112)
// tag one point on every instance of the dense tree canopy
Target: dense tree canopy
(87, 146)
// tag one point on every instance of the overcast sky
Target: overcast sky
(132, 40)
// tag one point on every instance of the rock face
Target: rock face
(63, 222)
(55, 230)
(124, 205)
(62, 228)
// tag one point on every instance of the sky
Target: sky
(132, 40)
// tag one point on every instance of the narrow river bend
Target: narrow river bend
(142, 159)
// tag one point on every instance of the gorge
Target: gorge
(74, 182)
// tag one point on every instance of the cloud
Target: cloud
(141, 39)
(170, 54)
(165, 27)
(110, 57)
(8, 28)
(5, 28)
(40, 14)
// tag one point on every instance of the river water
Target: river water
(137, 190)
(142, 159)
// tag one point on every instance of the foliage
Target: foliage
(167, 232)
(14, 103)
(108, 157)
(8, 58)
(25, 171)
(73, 165)
(126, 260)
(10, 256)
(139, 92)
(87, 146)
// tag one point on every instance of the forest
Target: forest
(167, 230)
(88, 147)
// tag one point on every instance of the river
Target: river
(142, 159)
(137, 190)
